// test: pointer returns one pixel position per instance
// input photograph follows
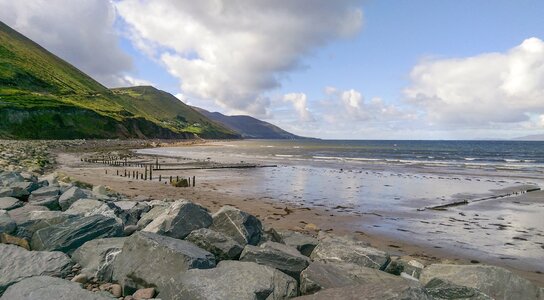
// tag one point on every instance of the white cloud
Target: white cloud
(300, 104)
(131, 81)
(81, 32)
(232, 51)
(484, 90)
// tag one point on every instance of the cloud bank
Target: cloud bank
(234, 51)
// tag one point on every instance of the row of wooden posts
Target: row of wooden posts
(135, 174)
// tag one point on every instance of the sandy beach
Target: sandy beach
(428, 235)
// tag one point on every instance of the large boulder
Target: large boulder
(346, 249)
(276, 255)
(8, 178)
(220, 245)
(9, 203)
(496, 282)
(46, 196)
(241, 226)
(108, 209)
(152, 260)
(304, 243)
(47, 288)
(405, 265)
(7, 225)
(231, 280)
(131, 211)
(20, 190)
(17, 264)
(181, 218)
(37, 220)
(22, 214)
(440, 289)
(83, 206)
(70, 196)
(96, 257)
(74, 232)
(151, 215)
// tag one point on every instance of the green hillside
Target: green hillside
(42, 96)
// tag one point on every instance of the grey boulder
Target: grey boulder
(231, 280)
(220, 245)
(304, 243)
(181, 218)
(239, 225)
(47, 288)
(96, 257)
(8, 178)
(151, 215)
(17, 264)
(276, 255)
(74, 232)
(152, 260)
(7, 225)
(405, 265)
(83, 206)
(20, 190)
(131, 211)
(22, 214)
(345, 249)
(496, 282)
(46, 196)
(373, 290)
(70, 196)
(445, 290)
(9, 203)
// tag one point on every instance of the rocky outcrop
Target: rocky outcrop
(97, 257)
(346, 249)
(70, 196)
(276, 255)
(74, 232)
(9, 203)
(239, 225)
(231, 280)
(47, 288)
(220, 245)
(181, 218)
(17, 264)
(152, 260)
(496, 282)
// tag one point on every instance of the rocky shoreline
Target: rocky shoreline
(63, 239)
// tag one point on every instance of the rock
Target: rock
(46, 288)
(239, 225)
(143, 294)
(304, 243)
(74, 232)
(152, 260)
(231, 280)
(131, 211)
(7, 225)
(38, 220)
(100, 190)
(276, 255)
(108, 209)
(116, 290)
(345, 249)
(440, 289)
(130, 229)
(408, 266)
(83, 207)
(80, 278)
(46, 196)
(96, 257)
(9, 203)
(70, 196)
(13, 240)
(151, 215)
(181, 218)
(496, 282)
(19, 190)
(22, 214)
(270, 235)
(220, 245)
(17, 263)
(8, 178)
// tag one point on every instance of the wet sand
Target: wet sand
(427, 235)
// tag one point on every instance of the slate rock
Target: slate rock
(346, 249)
(7, 225)
(17, 263)
(83, 206)
(220, 245)
(22, 214)
(152, 260)
(444, 290)
(74, 232)
(405, 265)
(131, 211)
(151, 215)
(9, 203)
(276, 255)
(304, 243)
(496, 282)
(47, 196)
(241, 226)
(96, 257)
(8, 178)
(70, 196)
(37, 220)
(181, 218)
(231, 280)
(47, 288)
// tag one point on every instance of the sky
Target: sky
(347, 69)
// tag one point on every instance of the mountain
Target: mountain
(249, 127)
(533, 137)
(42, 96)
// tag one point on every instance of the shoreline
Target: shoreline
(273, 213)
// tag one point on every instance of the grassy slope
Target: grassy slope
(42, 96)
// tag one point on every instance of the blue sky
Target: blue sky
(331, 69)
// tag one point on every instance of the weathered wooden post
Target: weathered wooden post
(170, 178)
(125, 172)
(160, 177)
(150, 172)
(194, 180)
(177, 178)
(145, 172)
(157, 163)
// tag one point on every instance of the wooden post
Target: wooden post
(145, 172)
(157, 163)
(106, 172)
(160, 177)
(189, 181)
(194, 180)
(125, 172)
(170, 178)
(142, 176)
(150, 172)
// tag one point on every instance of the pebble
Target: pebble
(116, 290)
(143, 294)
